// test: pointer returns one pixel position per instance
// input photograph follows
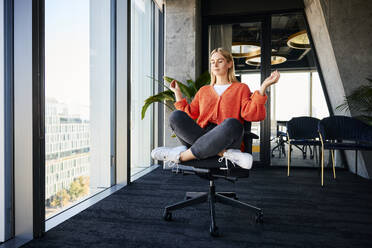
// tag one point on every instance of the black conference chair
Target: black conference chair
(302, 131)
(344, 133)
(210, 169)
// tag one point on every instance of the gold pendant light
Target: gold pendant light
(299, 40)
(245, 49)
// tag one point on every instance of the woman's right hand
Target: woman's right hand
(174, 87)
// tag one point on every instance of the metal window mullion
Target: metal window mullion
(265, 72)
(38, 117)
(9, 119)
(129, 78)
(113, 21)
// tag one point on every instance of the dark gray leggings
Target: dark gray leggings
(209, 141)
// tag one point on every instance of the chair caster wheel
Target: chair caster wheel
(259, 218)
(167, 216)
(214, 231)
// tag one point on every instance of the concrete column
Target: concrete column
(341, 35)
(182, 47)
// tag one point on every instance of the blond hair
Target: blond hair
(228, 56)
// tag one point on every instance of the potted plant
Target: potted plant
(167, 97)
(360, 100)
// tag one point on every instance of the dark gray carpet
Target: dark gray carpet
(297, 213)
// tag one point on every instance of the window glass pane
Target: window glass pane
(253, 80)
(77, 101)
(291, 96)
(298, 92)
(141, 84)
(244, 42)
(319, 104)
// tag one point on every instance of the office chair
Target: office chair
(210, 169)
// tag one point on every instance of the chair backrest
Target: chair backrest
(344, 128)
(303, 127)
(248, 136)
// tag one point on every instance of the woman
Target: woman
(220, 109)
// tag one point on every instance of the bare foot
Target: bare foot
(221, 153)
(187, 155)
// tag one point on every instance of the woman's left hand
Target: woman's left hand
(272, 79)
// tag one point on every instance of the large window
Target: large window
(142, 85)
(77, 101)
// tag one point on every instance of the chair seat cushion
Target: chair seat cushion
(306, 142)
(347, 146)
(215, 166)
(208, 163)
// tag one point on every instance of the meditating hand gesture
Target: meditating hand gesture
(176, 90)
(272, 79)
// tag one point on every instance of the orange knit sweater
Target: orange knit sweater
(236, 101)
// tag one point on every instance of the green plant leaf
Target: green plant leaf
(168, 79)
(161, 97)
(168, 95)
(188, 92)
(184, 89)
(192, 87)
(366, 119)
(159, 82)
(203, 79)
(360, 100)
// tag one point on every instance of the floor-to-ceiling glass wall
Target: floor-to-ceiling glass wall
(142, 83)
(299, 91)
(78, 88)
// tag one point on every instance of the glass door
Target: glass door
(245, 41)
(299, 91)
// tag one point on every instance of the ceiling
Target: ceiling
(283, 26)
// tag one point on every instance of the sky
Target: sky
(67, 51)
